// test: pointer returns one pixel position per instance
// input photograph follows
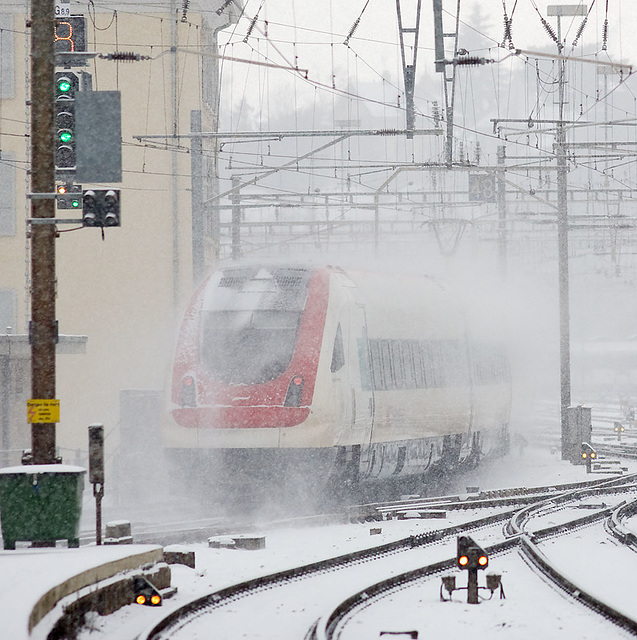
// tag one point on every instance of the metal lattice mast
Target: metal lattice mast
(409, 70)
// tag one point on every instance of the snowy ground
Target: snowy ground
(514, 617)
(530, 604)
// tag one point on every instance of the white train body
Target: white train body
(350, 374)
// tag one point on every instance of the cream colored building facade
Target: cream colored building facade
(124, 291)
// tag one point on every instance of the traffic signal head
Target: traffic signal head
(67, 84)
(100, 208)
(470, 555)
(69, 196)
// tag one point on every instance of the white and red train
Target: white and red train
(290, 372)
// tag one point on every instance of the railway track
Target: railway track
(351, 580)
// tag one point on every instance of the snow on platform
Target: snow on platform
(33, 581)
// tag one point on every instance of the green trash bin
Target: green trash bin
(41, 504)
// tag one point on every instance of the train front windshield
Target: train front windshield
(250, 322)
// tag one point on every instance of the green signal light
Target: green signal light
(64, 86)
(66, 136)
(75, 204)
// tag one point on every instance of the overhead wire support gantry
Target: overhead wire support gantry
(409, 69)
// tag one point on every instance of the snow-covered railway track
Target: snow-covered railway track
(403, 560)
(355, 616)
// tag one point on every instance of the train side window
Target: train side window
(430, 359)
(338, 353)
(387, 370)
(419, 365)
(374, 353)
(364, 362)
(398, 365)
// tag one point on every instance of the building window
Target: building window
(7, 195)
(7, 62)
(7, 309)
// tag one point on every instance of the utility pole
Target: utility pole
(196, 196)
(236, 218)
(502, 211)
(43, 330)
(562, 234)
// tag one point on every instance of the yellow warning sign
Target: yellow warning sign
(43, 411)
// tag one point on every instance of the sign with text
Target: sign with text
(43, 411)
(62, 8)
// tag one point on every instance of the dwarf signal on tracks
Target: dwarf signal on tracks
(146, 593)
(472, 557)
(619, 429)
(589, 455)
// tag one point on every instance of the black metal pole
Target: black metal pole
(472, 587)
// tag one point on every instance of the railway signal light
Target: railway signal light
(100, 208)
(588, 455)
(146, 593)
(471, 555)
(619, 429)
(67, 84)
(69, 196)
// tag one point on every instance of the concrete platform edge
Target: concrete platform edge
(89, 577)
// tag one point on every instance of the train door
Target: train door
(362, 388)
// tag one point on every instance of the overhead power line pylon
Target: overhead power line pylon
(448, 69)
(409, 70)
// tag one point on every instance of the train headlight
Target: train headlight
(188, 391)
(294, 395)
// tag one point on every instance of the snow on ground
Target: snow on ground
(531, 610)
(27, 574)
(516, 617)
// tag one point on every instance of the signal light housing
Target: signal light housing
(101, 208)
(145, 593)
(67, 84)
(588, 455)
(471, 556)
(69, 196)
